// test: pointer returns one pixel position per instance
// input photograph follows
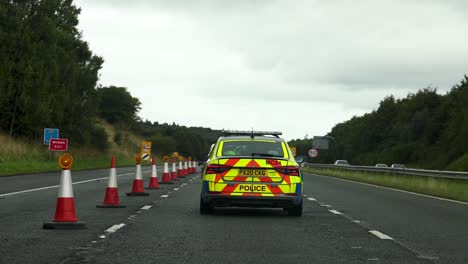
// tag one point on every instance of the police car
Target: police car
(251, 169)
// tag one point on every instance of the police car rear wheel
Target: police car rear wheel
(205, 208)
(295, 211)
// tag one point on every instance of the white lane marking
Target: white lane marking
(335, 212)
(392, 189)
(311, 199)
(56, 186)
(164, 196)
(175, 189)
(102, 236)
(146, 207)
(380, 235)
(325, 205)
(356, 221)
(114, 228)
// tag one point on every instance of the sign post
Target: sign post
(50, 133)
(145, 150)
(313, 153)
(294, 151)
(58, 144)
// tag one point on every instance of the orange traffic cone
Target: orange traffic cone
(65, 214)
(185, 168)
(153, 184)
(138, 188)
(181, 169)
(111, 199)
(174, 170)
(166, 178)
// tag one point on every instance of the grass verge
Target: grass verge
(21, 157)
(80, 162)
(440, 187)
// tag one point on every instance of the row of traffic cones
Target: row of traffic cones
(65, 213)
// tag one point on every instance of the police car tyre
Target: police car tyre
(205, 208)
(296, 210)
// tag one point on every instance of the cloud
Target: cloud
(303, 56)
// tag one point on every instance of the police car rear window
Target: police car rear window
(252, 148)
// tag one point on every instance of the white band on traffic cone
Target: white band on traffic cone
(66, 190)
(138, 172)
(112, 183)
(166, 167)
(154, 171)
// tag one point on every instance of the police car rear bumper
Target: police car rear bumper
(218, 200)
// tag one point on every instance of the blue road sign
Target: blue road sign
(50, 133)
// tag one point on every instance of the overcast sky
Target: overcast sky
(295, 66)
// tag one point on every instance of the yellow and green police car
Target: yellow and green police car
(251, 169)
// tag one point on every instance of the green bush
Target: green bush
(460, 164)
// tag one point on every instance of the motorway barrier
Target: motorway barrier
(153, 183)
(65, 213)
(409, 172)
(111, 199)
(174, 170)
(137, 188)
(166, 178)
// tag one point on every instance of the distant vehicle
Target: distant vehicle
(381, 165)
(251, 169)
(341, 163)
(398, 166)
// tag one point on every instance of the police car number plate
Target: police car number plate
(251, 172)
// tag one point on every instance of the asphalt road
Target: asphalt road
(166, 227)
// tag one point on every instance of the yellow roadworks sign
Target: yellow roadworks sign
(146, 150)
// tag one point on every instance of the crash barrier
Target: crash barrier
(407, 171)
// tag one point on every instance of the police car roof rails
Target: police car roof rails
(251, 133)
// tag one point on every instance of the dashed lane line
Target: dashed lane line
(335, 212)
(380, 235)
(164, 196)
(56, 186)
(146, 207)
(114, 228)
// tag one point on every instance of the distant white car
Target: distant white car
(341, 163)
(381, 165)
(398, 166)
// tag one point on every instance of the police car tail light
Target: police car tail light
(288, 170)
(214, 169)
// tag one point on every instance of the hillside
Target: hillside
(26, 156)
(426, 130)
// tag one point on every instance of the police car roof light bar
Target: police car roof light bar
(251, 133)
